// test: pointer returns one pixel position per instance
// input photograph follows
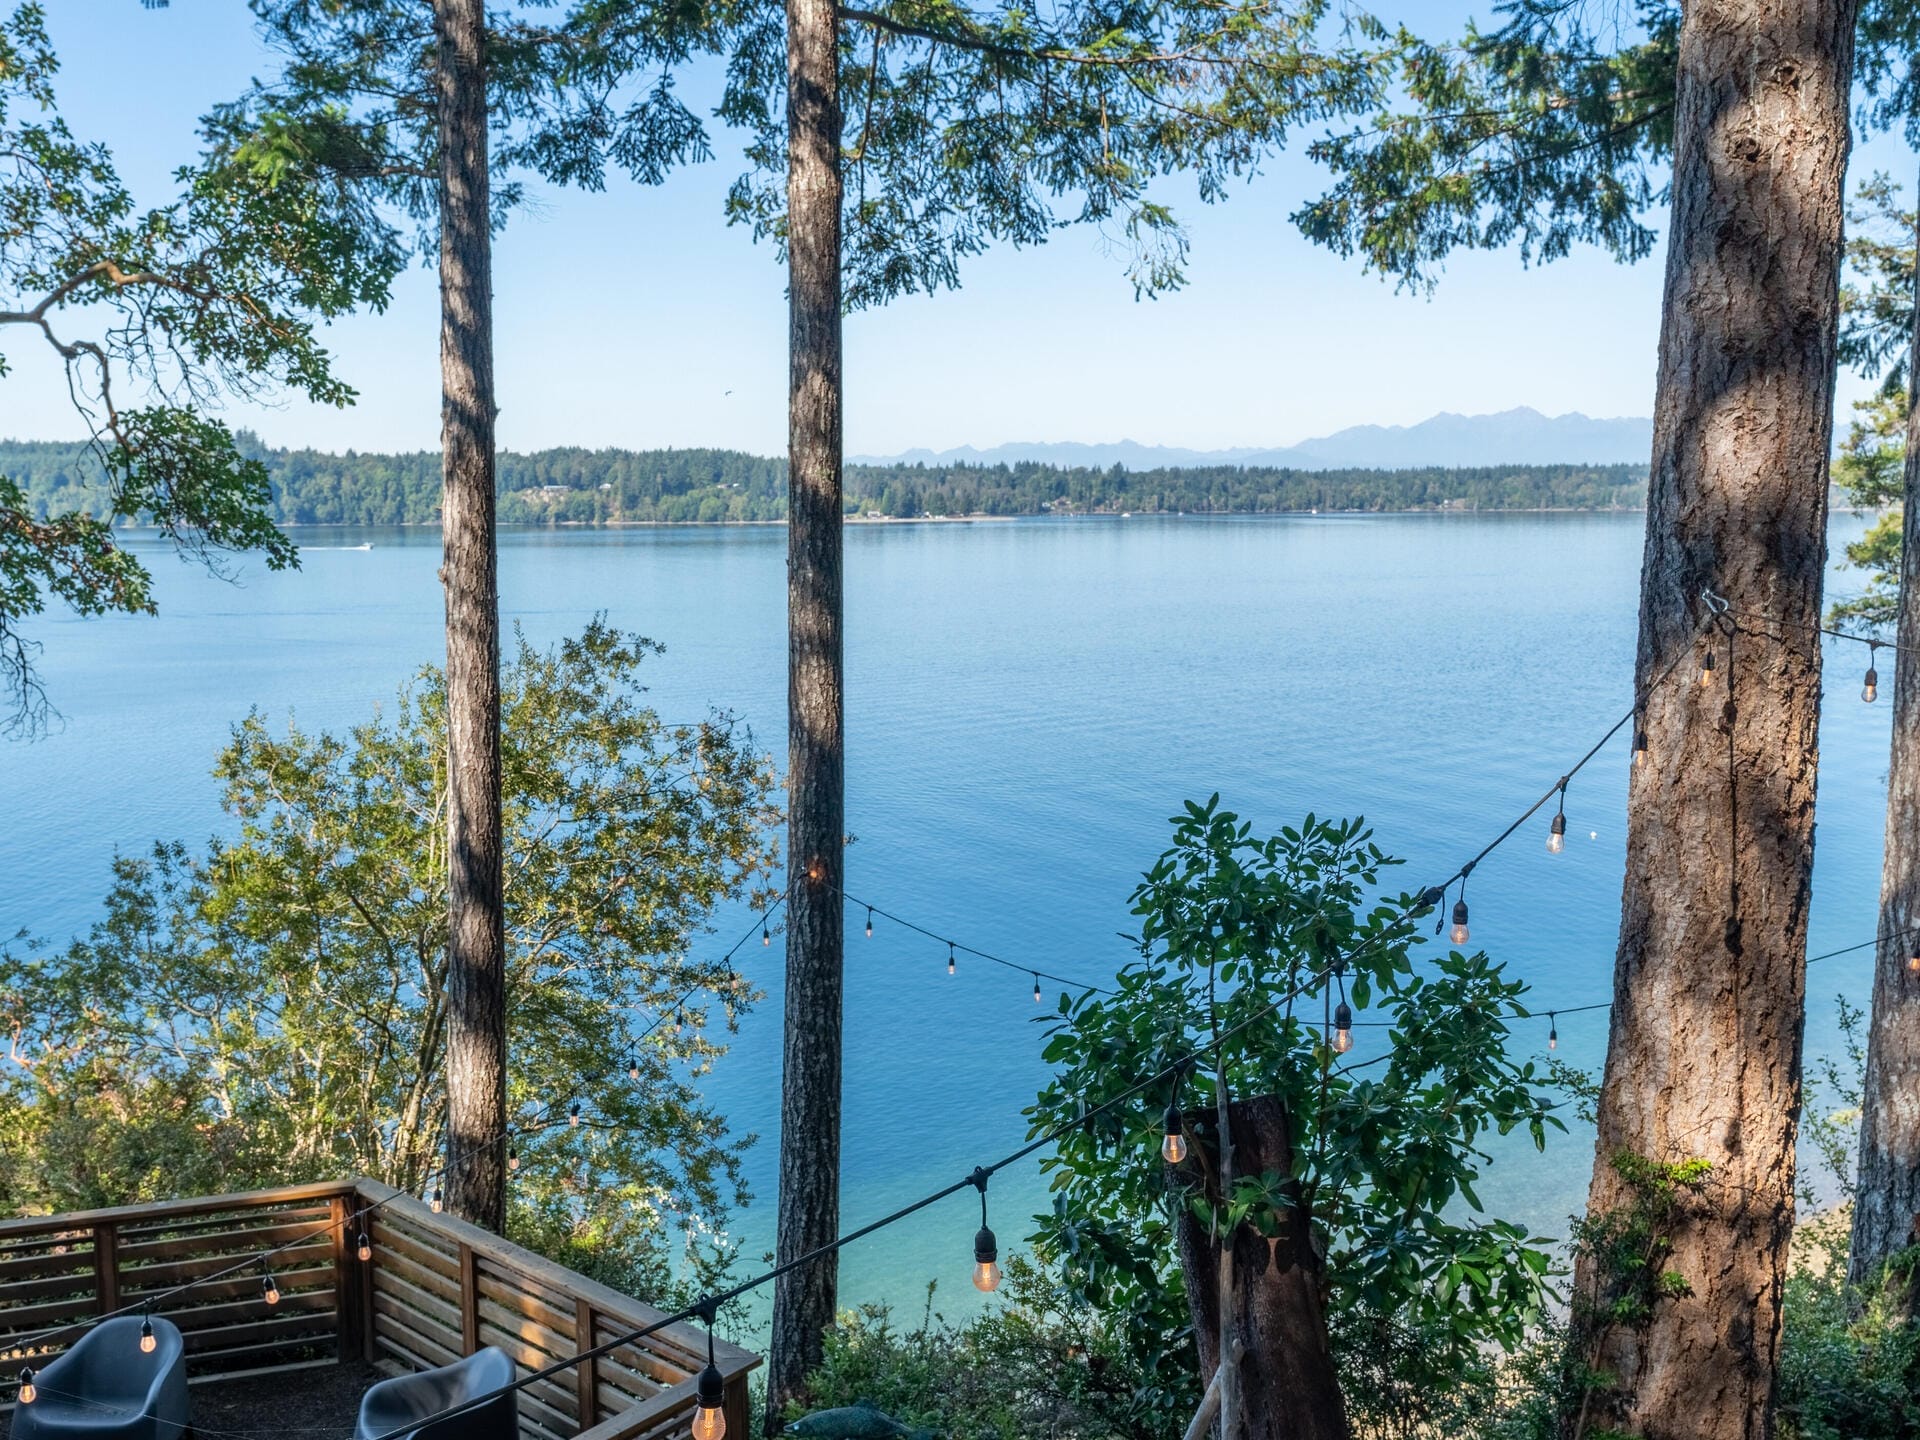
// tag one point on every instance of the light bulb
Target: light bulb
(986, 1254)
(1459, 934)
(1036, 989)
(766, 935)
(365, 1247)
(710, 1419)
(633, 1067)
(1639, 745)
(435, 1203)
(1557, 835)
(269, 1291)
(1553, 1033)
(1173, 1149)
(27, 1393)
(147, 1341)
(513, 1159)
(573, 1113)
(1913, 963)
(949, 957)
(1870, 691)
(869, 924)
(1342, 1028)
(1706, 668)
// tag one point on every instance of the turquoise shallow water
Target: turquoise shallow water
(1027, 702)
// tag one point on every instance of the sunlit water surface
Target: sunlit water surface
(1027, 703)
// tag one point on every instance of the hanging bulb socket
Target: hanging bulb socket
(1460, 934)
(1557, 835)
(950, 960)
(1553, 1032)
(710, 1419)
(869, 922)
(766, 934)
(1342, 1028)
(148, 1341)
(1036, 989)
(986, 1250)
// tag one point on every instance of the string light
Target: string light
(513, 1159)
(766, 934)
(364, 1248)
(1870, 690)
(1460, 934)
(1036, 989)
(710, 1419)
(28, 1394)
(1553, 1032)
(986, 1250)
(147, 1340)
(633, 1066)
(1557, 831)
(869, 922)
(435, 1203)
(950, 961)
(1706, 668)
(573, 1114)
(269, 1290)
(1639, 739)
(1173, 1149)
(1913, 961)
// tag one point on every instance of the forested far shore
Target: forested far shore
(573, 486)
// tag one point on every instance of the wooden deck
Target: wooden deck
(434, 1289)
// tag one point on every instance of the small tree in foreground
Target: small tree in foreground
(1351, 1209)
(273, 1008)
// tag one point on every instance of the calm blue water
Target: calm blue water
(1027, 703)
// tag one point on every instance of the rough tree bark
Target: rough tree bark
(1286, 1382)
(809, 1203)
(1886, 1205)
(476, 1181)
(1703, 1059)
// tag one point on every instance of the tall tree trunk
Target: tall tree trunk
(1703, 1061)
(1286, 1382)
(1887, 1203)
(476, 1182)
(809, 1205)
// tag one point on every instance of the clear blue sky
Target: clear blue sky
(625, 318)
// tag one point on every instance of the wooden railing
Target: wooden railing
(434, 1290)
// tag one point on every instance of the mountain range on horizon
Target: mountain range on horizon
(1521, 436)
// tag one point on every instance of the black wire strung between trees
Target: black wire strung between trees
(1718, 614)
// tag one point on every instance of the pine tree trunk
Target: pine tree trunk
(1287, 1385)
(1886, 1206)
(809, 1203)
(476, 1181)
(1709, 983)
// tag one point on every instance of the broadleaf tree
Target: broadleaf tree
(152, 316)
(1574, 122)
(1352, 1217)
(273, 1007)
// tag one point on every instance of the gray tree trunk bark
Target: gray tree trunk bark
(1287, 1387)
(1703, 1058)
(476, 1181)
(809, 1203)
(1886, 1205)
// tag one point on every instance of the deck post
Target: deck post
(739, 1406)
(586, 1375)
(469, 1299)
(106, 1266)
(345, 1295)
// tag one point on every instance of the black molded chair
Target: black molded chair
(392, 1405)
(107, 1388)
